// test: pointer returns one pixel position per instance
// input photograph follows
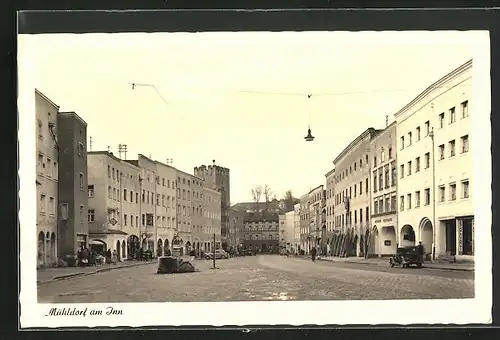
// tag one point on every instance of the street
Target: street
(260, 278)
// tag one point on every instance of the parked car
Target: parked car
(219, 254)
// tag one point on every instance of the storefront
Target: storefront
(383, 236)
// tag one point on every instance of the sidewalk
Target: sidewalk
(385, 262)
(53, 274)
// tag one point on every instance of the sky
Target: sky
(240, 98)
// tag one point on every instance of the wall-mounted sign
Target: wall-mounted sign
(387, 243)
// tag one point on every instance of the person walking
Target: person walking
(108, 256)
(313, 254)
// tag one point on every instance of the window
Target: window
(441, 193)
(441, 152)
(49, 167)
(131, 196)
(465, 143)
(465, 109)
(113, 173)
(354, 166)
(375, 182)
(81, 214)
(417, 164)
(382, 156)
(409, 138)
(401, 171)
(427, 193)
(136, 197)
(143, 195)
(393, 203)
(380, 180)
(91, 190)
(401, 203)
(451, 145)
(387, 204)
(361, 163)
(109, 192)
(168, 183)
(417, 199)
(40, 164)
(375, 161)
(109, 172)
(393, 175)
(39, 129)
(43, 202)
(408, 201)
(375, 206)
(453, 191)
(441, 120)
(355, 190)
(143, 219)
(361, 215)
(465, 188)
(163, 181)
(157, 199)
(390, 153)
(381, 206)
(427, 128)
(366, 186)
(137, 221)
(80, 149)
(387, 181)
(418, 133)
(125, 194)
(162, 200)
(409, 168)
(91, 215)
(81, 181)
(125, 217)
(427, 160)
(55, 174)
(401, 142)
(51, 208)
(453, 117)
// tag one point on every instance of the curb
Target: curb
(102, 270)
(379, 264)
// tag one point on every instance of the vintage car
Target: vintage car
(174, 264)
(407, 256)
(219, 254)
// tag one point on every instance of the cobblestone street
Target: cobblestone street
(260, 278)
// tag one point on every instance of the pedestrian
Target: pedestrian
(108, 256)
(313, 254)
(421, 250)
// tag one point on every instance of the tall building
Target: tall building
(305, 238)
(317, 218)
(352, 194)
(236, 225)
(114, 204)
(184, 185)
(166, 215)
(217, 178)
(296, 228)
(211, 206)
(73, 228)
(262, 232)
(47, 178)
(436, 167)
(329, 207)
(382, 233)
(289, 231)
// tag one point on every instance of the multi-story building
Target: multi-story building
(166, 216)
(262, 232)
(184, 203)
(236, 218)
(72, 189)
(382, 234)
(289, 231)
(211, 205)
(296, 228)
(317, 217)
(282, 232)
(329, 207)
(352, 194)
(435, 167)
(217, 178)
(47, 176)
(305, 238)
(114, 204)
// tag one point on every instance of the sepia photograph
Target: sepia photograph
(293, 177)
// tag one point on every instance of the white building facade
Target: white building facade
(383, 240)
(290, 231)
(165, 207)
(329, 208)
(47, 169)
(352, 194)
(296, 228)
(435, 168)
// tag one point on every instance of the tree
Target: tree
(267, 195)
(289, 200)
(256, 194)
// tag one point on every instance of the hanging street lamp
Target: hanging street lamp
(309, 137)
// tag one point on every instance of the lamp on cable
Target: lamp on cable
(309, 137)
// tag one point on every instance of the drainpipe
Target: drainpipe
(431, 134)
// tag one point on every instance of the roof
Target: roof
(44, 97)
(72, 113)
(319, 186)
(330, 172)
(109, 231)
(371, 132)
(261, 216)
(110, 155)
(456, 72)
(251, 206)
(382, 132)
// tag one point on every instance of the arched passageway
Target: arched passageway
(159, 248)
(118, 251)
(407, 236)
(426, 235)
(375, 242)
(388, 243)
(41, 249)
(165, 247)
